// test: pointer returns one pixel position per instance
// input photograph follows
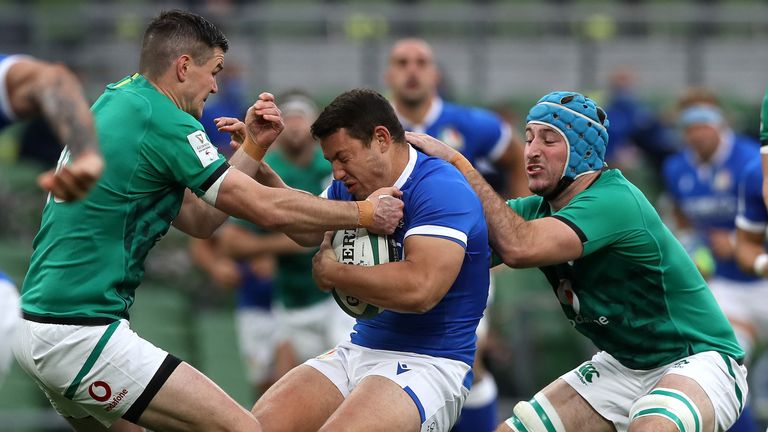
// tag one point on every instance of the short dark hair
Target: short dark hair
(358, 111)
(174, 33)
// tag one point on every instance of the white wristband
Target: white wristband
(760, 264)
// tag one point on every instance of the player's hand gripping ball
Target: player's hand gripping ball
(359, 247)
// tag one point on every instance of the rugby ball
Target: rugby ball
(359, 247)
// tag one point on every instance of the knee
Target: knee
(536, 415)
(665, 410)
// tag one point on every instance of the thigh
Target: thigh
(302, 400)
(437, 387)
(704, 409)
(574, 411)
(376, 404)
(89, 371)
(189, 401)
(90, 424)
(559, 400)
(712, 382)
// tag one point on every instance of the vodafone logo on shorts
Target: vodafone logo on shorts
(100, 391)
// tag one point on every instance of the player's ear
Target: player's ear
(181, 66)
(382, 137)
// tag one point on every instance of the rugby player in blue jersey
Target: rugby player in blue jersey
(408, 368)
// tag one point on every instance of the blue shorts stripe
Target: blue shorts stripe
(416, 400)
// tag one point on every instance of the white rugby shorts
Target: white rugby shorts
(315, 329)
(743, 301)
(103, 371)
(257, 339)
(438, 386)
(611, 388)
(10, 316)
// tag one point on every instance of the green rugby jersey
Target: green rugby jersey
(294, 286)
(634, 292)
(89, 255)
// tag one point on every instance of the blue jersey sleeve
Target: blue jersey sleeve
(752, 215)
(443, 206)
(7, 115)
(671, 173)
(491, 134)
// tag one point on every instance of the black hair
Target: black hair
(174, 33)
(358, 111)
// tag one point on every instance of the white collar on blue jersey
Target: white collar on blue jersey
(434, 112)
(412, 155)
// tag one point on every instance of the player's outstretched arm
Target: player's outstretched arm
(38, 88)
(287, 210)
(51, 90)
(239, 243)
(415, 284)
(518, 242)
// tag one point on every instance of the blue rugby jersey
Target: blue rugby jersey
(707, 193)
(438, 202)
(6, 114)
(480, 135)
(752, 215)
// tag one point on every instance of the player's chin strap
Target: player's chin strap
(536, 415)
(671, 404)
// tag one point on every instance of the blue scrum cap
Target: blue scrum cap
(582, 123)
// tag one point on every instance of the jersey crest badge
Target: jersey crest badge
(566, 295)
(452, 137)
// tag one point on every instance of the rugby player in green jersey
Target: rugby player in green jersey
(88, 259)
(32, 88)
(668, 358)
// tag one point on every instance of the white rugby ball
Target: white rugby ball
(359, 247)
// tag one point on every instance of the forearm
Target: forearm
(398, 286)
(749, 246)
(283, 210)
(246, 245)
(197, 218)
(245, 163)
(268, 177)
(507, 231)
(61, 102)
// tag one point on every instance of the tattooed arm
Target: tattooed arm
(38, 88)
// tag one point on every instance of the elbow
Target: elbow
(422, 300)
(202, 233)
(513, 255)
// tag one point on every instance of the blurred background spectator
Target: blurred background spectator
(635, 56)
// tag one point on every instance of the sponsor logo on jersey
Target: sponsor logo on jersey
(116, 400)
(100, 391)
(203, 148)
(587, 372)
(402, 368)
(681, 364)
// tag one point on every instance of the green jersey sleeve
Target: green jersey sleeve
(528, 208)
(601, 218)
(181, 152)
